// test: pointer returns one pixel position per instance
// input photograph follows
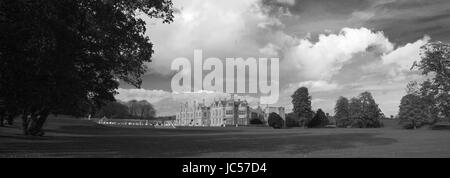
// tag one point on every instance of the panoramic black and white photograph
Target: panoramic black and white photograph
(224, 79)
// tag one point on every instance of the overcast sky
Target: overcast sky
(335, 48)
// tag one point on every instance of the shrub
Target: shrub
(256, 121)
(441, 126)
(275, 120)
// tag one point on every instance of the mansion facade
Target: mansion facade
(222, 113)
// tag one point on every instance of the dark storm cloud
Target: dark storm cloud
(341, 7)
(290, 29)
(402, 21)
(405, 21)
(314, 17)
(409, 4)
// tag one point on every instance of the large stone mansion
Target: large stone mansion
(224, 112)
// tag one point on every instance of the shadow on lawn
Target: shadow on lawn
(98, 129)
(191, 146)
(92, 140)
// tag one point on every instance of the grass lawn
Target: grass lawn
(77, 138)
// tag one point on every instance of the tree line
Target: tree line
(68, 56)
(428, 102)
(425, 103)
(360, 112)
(127, 110)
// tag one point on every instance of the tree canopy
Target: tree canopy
(342, 112)
(274, 120)
(362, 112)
(301, 100)
(413, 110)
(128, 110)
(61, 56)
(319, 120)
(435, 63)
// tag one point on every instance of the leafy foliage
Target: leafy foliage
(342, 112)
(435, 60)
(141, 109)
(363, 112)
(114, 110)
(67, 56)
(412, 111)
(301, 100)
(130, 110)
(319, 120)
(275, 121)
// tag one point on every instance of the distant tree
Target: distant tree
(342, 112)
(370, 110)
(435, 60)
(355, 112)
(319, 120)
(141, 109)
(114, 110)
(427, 94)
(413, 111)
(364, 112)
(301, 100)
(275, 121)
(62, 56)
(133, 107)
(147, 111)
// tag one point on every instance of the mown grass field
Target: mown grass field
(78, 138)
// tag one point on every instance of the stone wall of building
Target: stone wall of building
(222, 113)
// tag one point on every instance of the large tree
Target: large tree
(413, 110)
(141, 109)
(342, 112)
(427, 94)
(435, 63)
(355, 108)
(61, 56)
(370, 110)
(364, 111)
(115, 110)
(301, 101)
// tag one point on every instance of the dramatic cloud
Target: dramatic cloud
(231, 28)
(315, 86)
(323, 59)
(405, 56)
(335, 48)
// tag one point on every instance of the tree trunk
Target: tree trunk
(25, 122)
(2, 116)
(33, 123)
(37, 122)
